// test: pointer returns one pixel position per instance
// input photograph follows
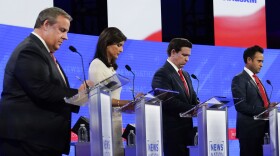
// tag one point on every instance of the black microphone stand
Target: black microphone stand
(133, 78)
(73, 49)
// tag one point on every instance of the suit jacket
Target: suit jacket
(32, 108)
(167, 78)
(243, 86)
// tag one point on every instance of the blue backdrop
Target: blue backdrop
(214, 66)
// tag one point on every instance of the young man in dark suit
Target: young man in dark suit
(176, 130)
(248, 87)
(34, 118)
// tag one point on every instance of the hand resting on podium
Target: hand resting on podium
(273, 104)
(83, 86)
(265, 114)
(81, 98)
(129, 106)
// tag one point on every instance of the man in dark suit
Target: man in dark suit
(249, 88)
(176, 130)
(34, 118)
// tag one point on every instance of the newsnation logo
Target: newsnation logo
(244, 1)
(217, 148)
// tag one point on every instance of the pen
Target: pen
(79, 79)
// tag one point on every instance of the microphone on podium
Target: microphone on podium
(74, 50)
(129, 69)
(194, 77)
(268, 82)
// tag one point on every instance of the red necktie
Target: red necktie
(54, 59)
(184, 81)
(262, 91)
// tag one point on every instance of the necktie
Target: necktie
(184, 81)
(262, 91)
(54, 59)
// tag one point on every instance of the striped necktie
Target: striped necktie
(184, 81)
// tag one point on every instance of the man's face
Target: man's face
(180, 58)
(255, 64)
(55, 34)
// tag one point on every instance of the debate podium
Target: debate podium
(148, 114)
(273, 115)
(212, 117)
(99, 102)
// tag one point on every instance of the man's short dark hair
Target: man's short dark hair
(251, 51)
(177, 44)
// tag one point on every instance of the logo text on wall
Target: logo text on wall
(244, 1)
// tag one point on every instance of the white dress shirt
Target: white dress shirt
(98, 71)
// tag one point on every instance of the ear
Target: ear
(249, 59)
(46, 24)
(173, 52)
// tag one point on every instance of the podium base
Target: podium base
(82, 149)
(266, 150)
(193, 150)
(130, 151)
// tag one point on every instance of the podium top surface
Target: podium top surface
(264, 115)
(159, 94)
(111, 83)
(219, 102)
(215, 102)
(153, 97)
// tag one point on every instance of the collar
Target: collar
(249, 72)
(40, 38)
(173, 65)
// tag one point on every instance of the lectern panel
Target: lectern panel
(216, 132)
(106, 124)
(153, 129)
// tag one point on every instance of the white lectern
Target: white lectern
(212, 125)
(100, 110)
(273, 115)
(149, 122)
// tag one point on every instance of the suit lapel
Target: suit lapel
(255, 85)
(248, 77)
(61, 79)
(46, 54)
(187, 78)
(56, 71)
(175, 76)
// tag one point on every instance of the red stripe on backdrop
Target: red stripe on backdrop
(156, 36)
(241, 31)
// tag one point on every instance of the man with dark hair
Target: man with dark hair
(248, 87)
(176, 130)
(34, 119)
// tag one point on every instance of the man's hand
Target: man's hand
(273, 104)
(83, 86)
(139, 95)
(129, 107)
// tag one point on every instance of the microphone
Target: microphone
(268, 82)
(194, 77)
(129, 69)
(74, 50)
